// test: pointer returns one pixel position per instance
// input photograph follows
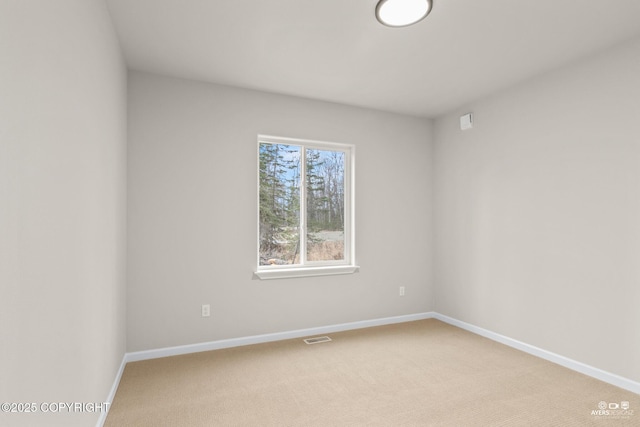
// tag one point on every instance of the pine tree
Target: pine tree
(279, 200)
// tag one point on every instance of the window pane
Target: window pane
(279, 204)
(325, 205)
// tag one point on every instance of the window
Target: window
(305, 202)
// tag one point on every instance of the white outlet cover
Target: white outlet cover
(206, 310)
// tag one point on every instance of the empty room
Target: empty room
(319, 213)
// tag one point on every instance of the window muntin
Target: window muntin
(305, 204)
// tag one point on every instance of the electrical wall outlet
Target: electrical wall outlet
(206, 310)
(401, 291)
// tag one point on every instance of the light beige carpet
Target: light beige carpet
(423, 373)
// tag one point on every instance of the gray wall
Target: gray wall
(62, 206)
(538, 212)
(192, 214)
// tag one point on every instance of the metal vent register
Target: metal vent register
(317, 340)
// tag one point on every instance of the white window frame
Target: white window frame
(313, 268)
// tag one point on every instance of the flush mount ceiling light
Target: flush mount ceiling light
(401, 13)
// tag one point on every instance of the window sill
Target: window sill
(306, 272)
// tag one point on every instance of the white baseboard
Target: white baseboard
(112, 392)
(278, 336)
(605, 376)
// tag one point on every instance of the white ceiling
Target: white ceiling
(335, 50)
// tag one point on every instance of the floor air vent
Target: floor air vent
(317, 340)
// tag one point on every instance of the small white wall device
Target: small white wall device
(466, 121)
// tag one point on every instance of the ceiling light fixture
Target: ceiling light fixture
(401, 13)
